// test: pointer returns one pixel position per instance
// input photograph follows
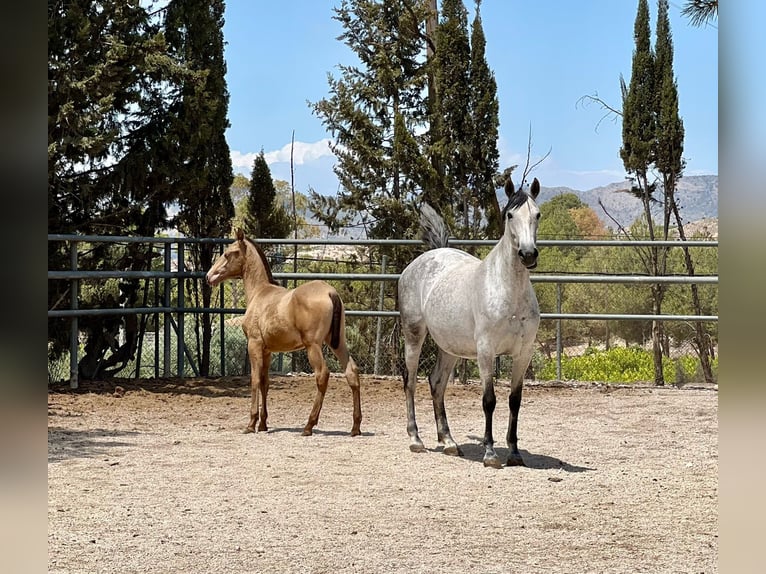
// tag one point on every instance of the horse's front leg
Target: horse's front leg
(486, 360)
(264, 389)
(259, 386)
(520, 365)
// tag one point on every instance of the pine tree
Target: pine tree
(484, 111)
(374, 111)
(265, 216)
(194, 29)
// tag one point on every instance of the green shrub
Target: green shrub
(621, 365)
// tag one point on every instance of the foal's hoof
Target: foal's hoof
(516, 460)
(248, 430)
(493, 462)
(355, 432)
(417, 447)
(306, 432)
(453, 451)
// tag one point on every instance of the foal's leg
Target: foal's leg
(413, 343)
(445, 364)
(352, 376)
(264, 388)
(486, 362)
(520, 365)
(322, 375)
(256, 372)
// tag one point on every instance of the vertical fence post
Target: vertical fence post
(180, 337)
(74, 333)
(558, 332)
(381, 299)
(222, 304)
(166, 321)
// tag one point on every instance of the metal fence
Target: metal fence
(603, 306)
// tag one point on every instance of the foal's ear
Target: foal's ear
(535, 189)
(239, 234)
(509, 190)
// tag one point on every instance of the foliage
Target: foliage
(620, 365)
(136, 114)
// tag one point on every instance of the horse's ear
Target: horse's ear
(509, 189)
(535, 189)
(239, 234)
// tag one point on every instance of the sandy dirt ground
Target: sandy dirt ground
(158, 477)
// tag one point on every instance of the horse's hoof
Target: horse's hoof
(306, 432)
(493, 462)
(516, 460)
(453, 451)
(417, 447)
(262, 428)
(248, 430)
(355, 432)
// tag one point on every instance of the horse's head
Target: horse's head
(231, 262)
(520, 217)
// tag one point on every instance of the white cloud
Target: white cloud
(303, 153)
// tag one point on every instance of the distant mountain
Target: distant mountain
(697, 197)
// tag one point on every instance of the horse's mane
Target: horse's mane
(516, 200)
(265, 261)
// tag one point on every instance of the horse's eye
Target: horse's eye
(538, 215)
(509, 215)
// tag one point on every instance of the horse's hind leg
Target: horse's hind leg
(322, 375)
(352, 376)
(445, 364)
(413, 343)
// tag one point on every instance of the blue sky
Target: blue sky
(545, 55)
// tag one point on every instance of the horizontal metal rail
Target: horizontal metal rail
(363, 313)
(535, 277)
(366, 242)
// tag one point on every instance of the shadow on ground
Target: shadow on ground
(65, 444)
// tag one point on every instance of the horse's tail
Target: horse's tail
(434, 231)
(337, 319)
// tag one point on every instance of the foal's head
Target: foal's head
(233, 261)
(520, 217)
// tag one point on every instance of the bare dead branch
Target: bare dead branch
(528, 168)
(609, 111)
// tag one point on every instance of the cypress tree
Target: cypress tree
(484, 112)
(638, 153)
(453, 98)
(194, 29)
(265, 216)
(670, 163)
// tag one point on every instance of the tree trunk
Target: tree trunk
(700, 337)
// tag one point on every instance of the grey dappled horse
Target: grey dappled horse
(474, 309)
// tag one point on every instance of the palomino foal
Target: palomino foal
(283, 320)
(473, 309)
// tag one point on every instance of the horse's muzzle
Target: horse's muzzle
(529, 258)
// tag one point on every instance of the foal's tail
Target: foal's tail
(337, 318)
(434, 231)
